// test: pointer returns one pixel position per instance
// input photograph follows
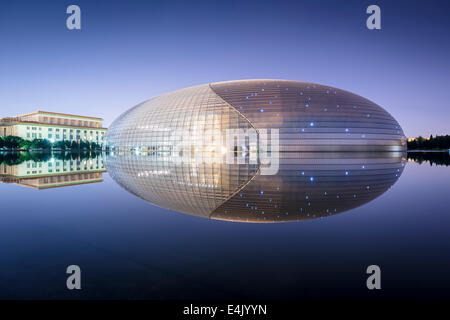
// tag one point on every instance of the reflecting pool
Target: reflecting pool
(306, 186)
(141, 226)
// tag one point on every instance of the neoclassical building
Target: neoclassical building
(54, 127)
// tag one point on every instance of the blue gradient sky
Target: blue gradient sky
(129, 51)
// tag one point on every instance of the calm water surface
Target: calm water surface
(129, 248)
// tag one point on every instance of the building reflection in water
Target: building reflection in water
(307, 185)
(52, 171)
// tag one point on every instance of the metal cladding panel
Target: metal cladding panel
(313, 117)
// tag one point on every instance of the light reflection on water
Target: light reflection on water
(129, 248)
(307, 185)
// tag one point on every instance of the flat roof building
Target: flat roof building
(54, 127)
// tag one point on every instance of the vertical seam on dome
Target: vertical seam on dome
(257, 134)
(233, 108)
(239, 189)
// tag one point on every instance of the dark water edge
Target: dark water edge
(11, 157)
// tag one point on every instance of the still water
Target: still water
(141, 227)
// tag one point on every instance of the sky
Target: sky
(129, 51)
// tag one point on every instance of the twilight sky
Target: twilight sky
(130, 51)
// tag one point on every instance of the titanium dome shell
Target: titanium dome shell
(310, 117)
(308, 184)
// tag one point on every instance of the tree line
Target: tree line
(437, 142)
(18, 143)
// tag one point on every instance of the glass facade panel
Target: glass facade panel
(159, 123)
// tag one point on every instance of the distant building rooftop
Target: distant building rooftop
(47, 118)
(59, 114)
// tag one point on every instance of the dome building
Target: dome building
(309, 117)
(335, 151)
